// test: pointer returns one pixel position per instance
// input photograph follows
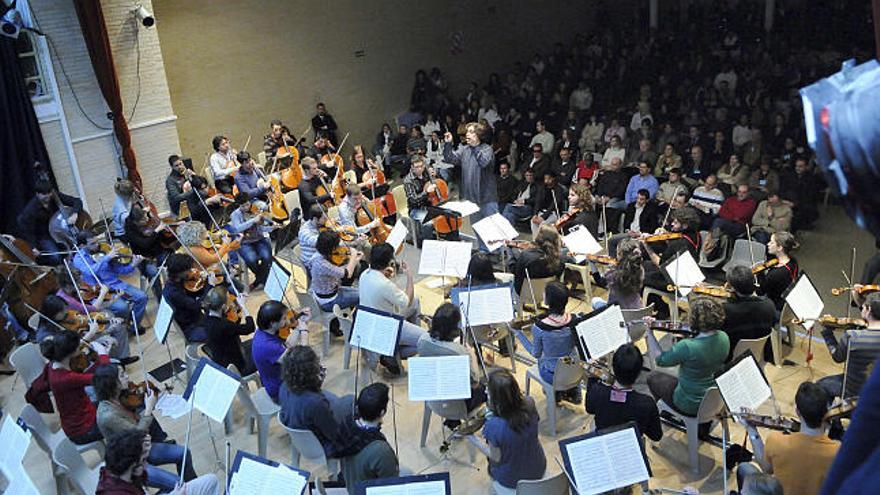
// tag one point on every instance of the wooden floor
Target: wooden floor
(835, 234)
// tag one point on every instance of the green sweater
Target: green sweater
(698, 360)
(376, 460)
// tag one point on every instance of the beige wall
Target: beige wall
(153, 125)
(234, 66)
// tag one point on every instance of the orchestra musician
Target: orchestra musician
(417, 185)
(511, 435)
(177, 184)
(248, 179)
(698, 359)
(308, 187)
(202, 206)
(552, 338)
(114, 331)
(858, 366)
(268, 349)
(323, 123)
(549, 202)
(114, 417)
(194, 239)
(124, 191)
(626, 279)
(225, 332)
(185, 303)
(774, 281)
(800, 460)
(223, 164)
(308, 234)
(147, 241)
(580, 211)
(477, 164)
(540, 260)
(108, 269)
(256, 248)
(746, 315)
(327, 277)
(321, 148)
(349, 207)
(685, 222)
(369, 456)
(360, 164)
(33, 221)
(275, 139)
(377, 290)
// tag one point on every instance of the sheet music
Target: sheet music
(606, 462)
(163, 320)
(804, 301)
(486, 306)
(214, 392)
(397, 235)
(684, 272)
(496, 229)
(375, 332)
(417, 488)
(255, 478)
(15, 441)
(445, 258)
(172, 405)
(603, 333)
(743, 386)
(20, 482)
(439, 378)
(580, 242)
(463, 208)
(277, 282)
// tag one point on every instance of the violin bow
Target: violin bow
(91, 270)
(555, 204)
(751, 251)
(852, 274)
(669, 209)
(246, 143)
(137, 337)
(106, 223)
(531, 291)
(50, 320)
(605, 229)
(189, 423)
(470, 329)
(78, 293)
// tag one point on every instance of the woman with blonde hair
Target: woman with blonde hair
(580, 211)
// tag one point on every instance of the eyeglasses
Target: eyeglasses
(322, 372)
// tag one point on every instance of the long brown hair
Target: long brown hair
(507, 401)
(548, 241)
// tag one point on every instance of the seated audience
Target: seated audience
(771, 215)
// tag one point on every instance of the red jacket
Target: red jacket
(738, 211)
(110, 484)
(75, 409)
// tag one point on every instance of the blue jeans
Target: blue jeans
(514, 213)
(486, 210)
(346, 297)
(122, 308)
(258, 257)
(167, 453)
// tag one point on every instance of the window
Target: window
(31, 64)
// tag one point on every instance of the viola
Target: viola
(347, 233)
(519, 244)
(322, 190)
(292, 316)
(778, 423)
(863, 290)
(79, 322)
(123, 252)
(133, 396)
(84, 358)
(366, 213)
(90, 292)
(233, 311)
(595, 370)
(340, 255)
(706, 290)
(602, 259)
(760, 267)
(667, 236)
(566, 217)
(829, 321)
(195, 280)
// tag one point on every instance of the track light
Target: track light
(144, 16)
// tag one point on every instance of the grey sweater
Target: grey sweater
(477, 171)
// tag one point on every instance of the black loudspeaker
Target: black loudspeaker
(843, 128)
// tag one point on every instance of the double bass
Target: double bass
(25, 282)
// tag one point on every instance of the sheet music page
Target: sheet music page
(684, 272)
(580, 242)
(397, 235)
(163, 320)
(15, 441)
(742, 386)
(603, 333)
(805, 302)
(375, 332)
(494, 230)
(277, 282)
(20, 482)
(419, 488)
(463, 208)
(445, 258)
(255, 478)
(214, 392)
(606, 462)
(486, 306)
(172, 405)
(439, 378)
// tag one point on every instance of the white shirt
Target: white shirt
(429, 127)
(611, 154)
(219, 163)
(378, 292)
(546, 140)
(634, 226)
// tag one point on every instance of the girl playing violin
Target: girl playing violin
(269, 347)
(626, 279)
(113, 331)
(773, 281)
(114, 417)
(224, 327)
(147, 241)
(685, 223)
(580, 211)
(75, 410)
(327, 276)
(541, 260)
(184, 293)
(195, 242)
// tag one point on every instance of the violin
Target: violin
(196, 278)
(468, 426)
(566, 217)
(84, 358)
(778, 423)
(340, 255)
(706, 290)
(322, 190)
(217, 236)
(666, 236)
(292, 316)
(78, 322)
(760, 267)
(595, 370)
(519, 244)
(862, 290)
(133, 396)
(123, 252)
(675, 328)
(233, 310)
(91, 292)
(829, 321)
(602, 259)
(347, 233)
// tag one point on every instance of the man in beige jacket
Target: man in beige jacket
(771, 216)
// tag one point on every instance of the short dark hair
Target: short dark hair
(316, 211)
(812, 403)
(105, 381)
(644, 192)
(52, 305)
(275, 122)
(687, 216)
(43, 187)
(627, 364)
(270, 312)
(372, 401)
(215, 142)
(197, 181)
(381, 255)
(243, 156)
(178, 264)
(327, 242)
(301, 370)
(60, 345)
(742, 280)
(172, 159)
(444, 323)
(556, 297)
(124, 450)
(706, 315)
(242, 198)
(480, 269)
(675, 170)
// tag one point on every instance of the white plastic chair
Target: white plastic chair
(74, 470)
(445, 409)
(785, 317)
(292, 201)
(636, 328)
(586, 278)
(399, 194)
(568, 374)
(47, 439)
(554, 485)
(723, 244)
(259, 409)
(742, 256)
(325, 317)
(669, 296)
(28, 362)
(304, 444)
(754, 345)
(710, 408)
(528, 297)
(194, 354)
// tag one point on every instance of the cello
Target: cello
(62, 229)
(443, 224)
(27, 283)
(366, 213)
(386, 205)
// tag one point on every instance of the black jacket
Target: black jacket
(544, 200)
(564, 171)
(508, 188)
(747, 317)
(33, 221)
(224, 341)
(611, 183)
(649, 219)
(540, 166)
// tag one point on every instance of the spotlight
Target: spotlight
(11, 22)
(144, 16)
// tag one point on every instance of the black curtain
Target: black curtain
(21, 143)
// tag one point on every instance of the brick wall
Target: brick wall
(153, 125)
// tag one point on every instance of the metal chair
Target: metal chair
(568, 374)
(259, 408)
(742, 256)
(754, 345)
(304, 444)
(710, 408)
(28, 362)
(73, 468)
(399, 194)
(554, 485)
